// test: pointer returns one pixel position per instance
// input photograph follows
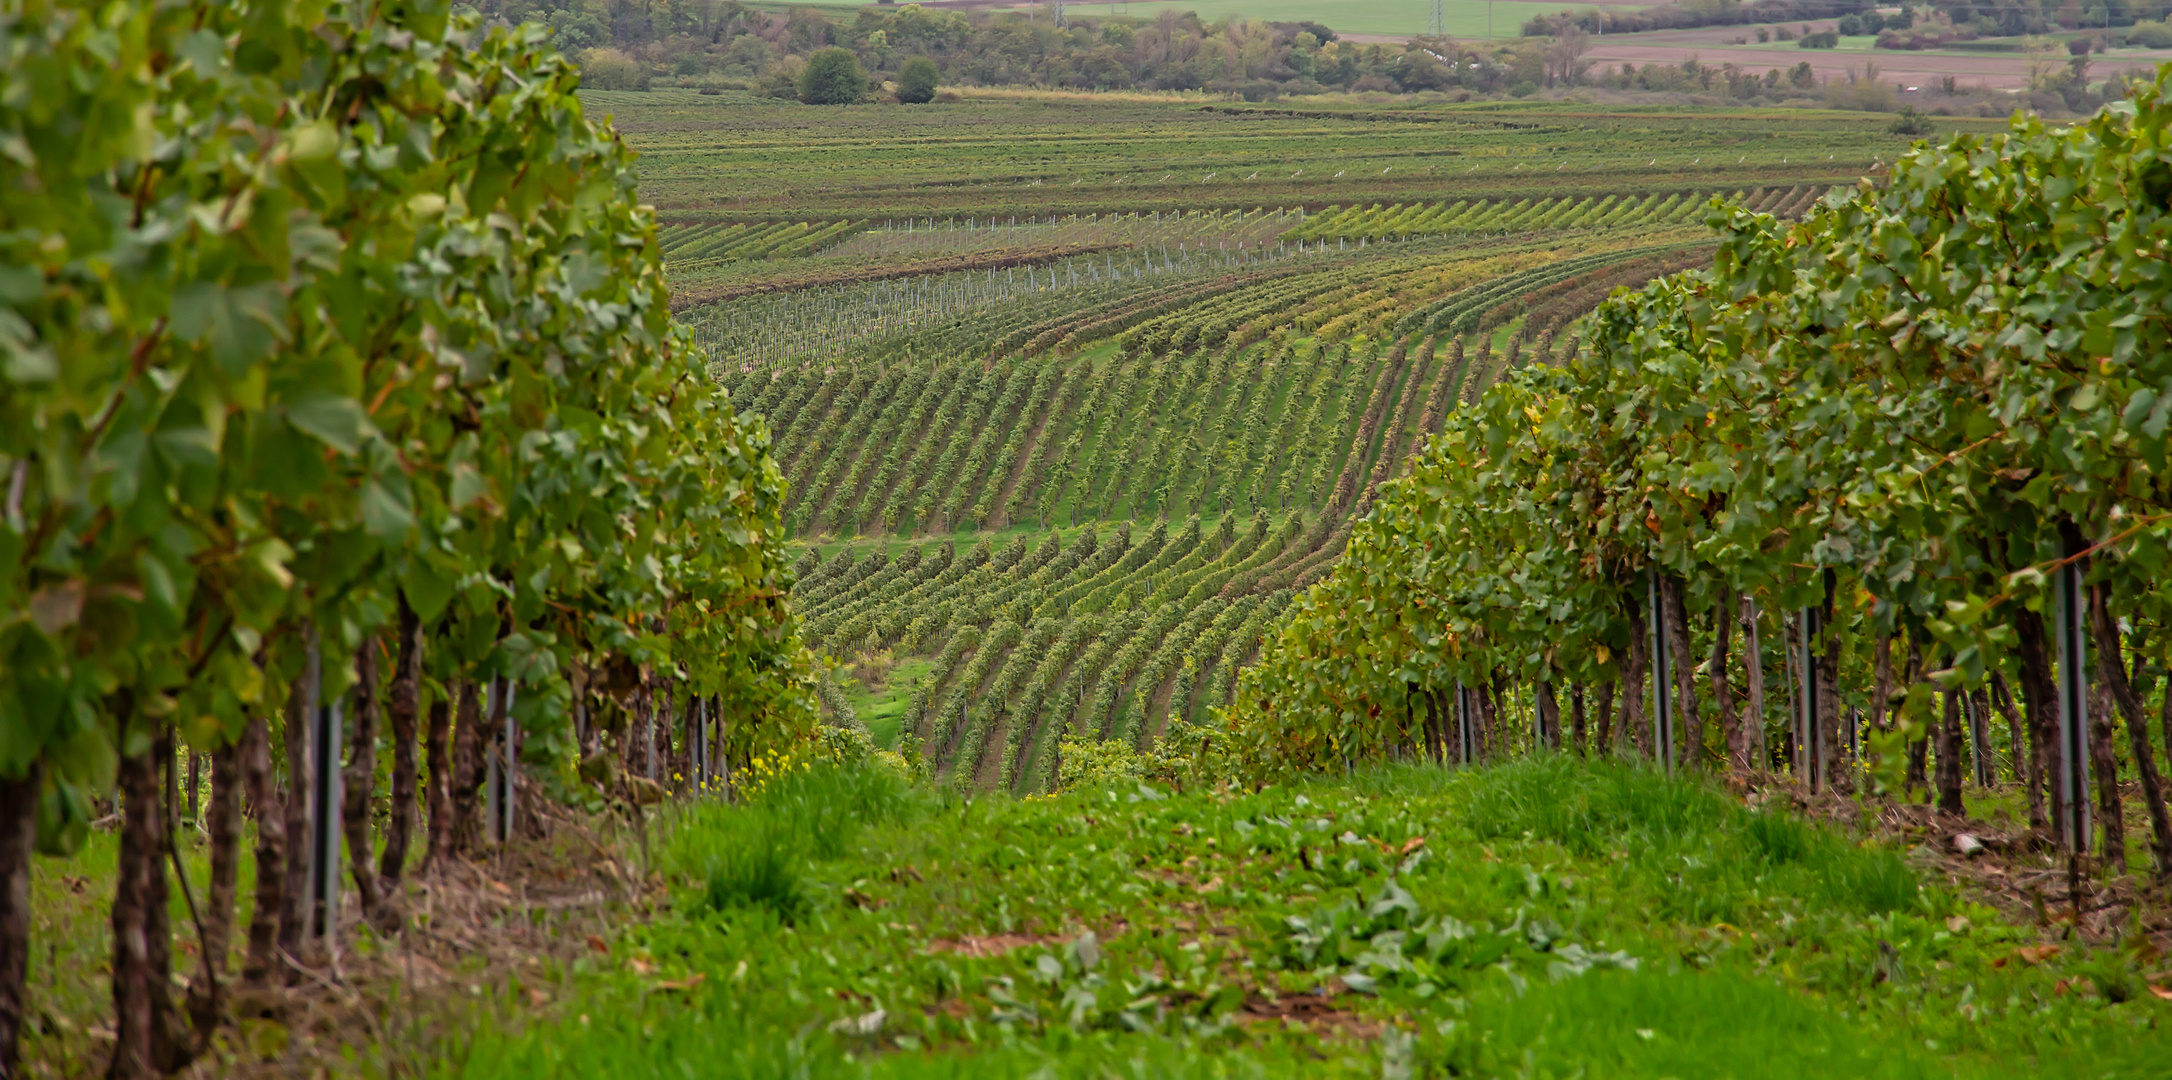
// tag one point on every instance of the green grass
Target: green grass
(883, 711)
(1539, 929)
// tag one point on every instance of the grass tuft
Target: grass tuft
(755, 855)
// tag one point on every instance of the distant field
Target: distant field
(1028, 154)
(1381, 18)
(1974, 66)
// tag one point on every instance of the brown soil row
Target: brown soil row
(695, 296)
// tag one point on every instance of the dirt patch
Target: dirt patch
(458, 937)
(999, 259)
(986, 945)
(2004, 865)
(1315, 1013)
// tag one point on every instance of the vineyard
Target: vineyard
(1071, 509)
(720, 159)
(1020, 585)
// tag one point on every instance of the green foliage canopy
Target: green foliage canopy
(916, 81)
(832, 77)
(1921, 389)
(316, 308)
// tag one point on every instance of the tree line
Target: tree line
(628, 46)
(1909, 453)
(340, 390)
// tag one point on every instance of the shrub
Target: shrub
(1823, 39)
(781, 79)
(2150, 35)
(832, 77)
(1926, 33)
(1851, 26)
(1861, 95)
(916, 81)
(1910, 123)
(610, 69)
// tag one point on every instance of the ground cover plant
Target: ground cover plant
(1546, 916)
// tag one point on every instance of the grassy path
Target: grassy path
(1542, 918)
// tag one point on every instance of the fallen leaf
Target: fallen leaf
(641, 966)
(1412, 844)
(1211, 886)
(2037, 954)
(1957, 924)
(2164, 992)
(597, 944)
(687, 983)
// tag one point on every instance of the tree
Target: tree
(832, 77)
(916, 81)
(1911, 122)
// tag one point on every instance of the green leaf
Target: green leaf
(428, 589)
(335, 420)
(388, 512)
(242, 325)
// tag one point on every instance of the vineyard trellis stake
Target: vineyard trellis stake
(1466, 738)
(504, 763)
(649, 731)
(1975, 708)
(1662, 711)
(2073, 749)
(1808, 760)
(324, 794)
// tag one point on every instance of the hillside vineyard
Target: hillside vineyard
(1066, 496)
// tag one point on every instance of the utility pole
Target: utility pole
(1439, 27)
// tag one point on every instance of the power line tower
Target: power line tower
(1439, 27)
